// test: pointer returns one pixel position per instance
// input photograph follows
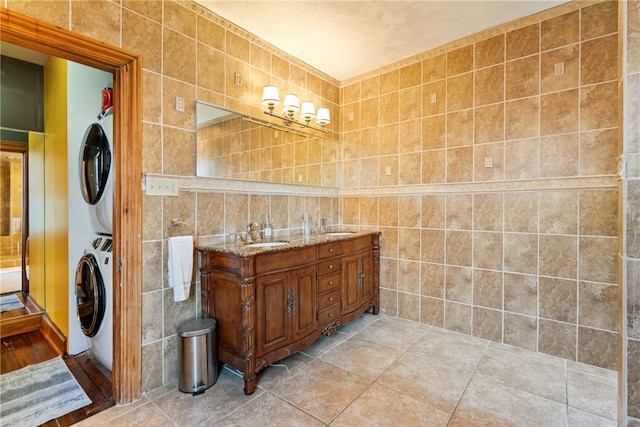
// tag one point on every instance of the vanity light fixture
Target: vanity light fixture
(291, 106)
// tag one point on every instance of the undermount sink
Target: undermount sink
(339, 233)
(266, 244)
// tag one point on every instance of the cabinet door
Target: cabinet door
(350, 283)
(357, 281)
(272, 312)
(304, 299)
(367, 278)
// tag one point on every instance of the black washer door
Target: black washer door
(90, 295)
(95, 162)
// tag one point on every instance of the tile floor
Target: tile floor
(385, 371)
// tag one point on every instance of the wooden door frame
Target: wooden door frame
(126, 67)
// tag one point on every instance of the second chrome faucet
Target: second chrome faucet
(253, 233)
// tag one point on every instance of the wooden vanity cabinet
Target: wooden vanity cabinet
(271, 304)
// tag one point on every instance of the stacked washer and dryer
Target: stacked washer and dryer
(94, 273)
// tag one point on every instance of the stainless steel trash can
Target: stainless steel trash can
(197, 355)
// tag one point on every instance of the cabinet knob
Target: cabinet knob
(330, 315)
(330, 266)
(330, 299)
(330, 282)
(330, 249)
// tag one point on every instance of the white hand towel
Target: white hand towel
(180, 266)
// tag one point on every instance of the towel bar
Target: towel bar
(175, 224)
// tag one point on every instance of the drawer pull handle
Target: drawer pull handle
(330, 282)
(330, 249)
(330, 315)
(330, 299)
(330, 267)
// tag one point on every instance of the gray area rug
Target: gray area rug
(39, 393)
(10, 302)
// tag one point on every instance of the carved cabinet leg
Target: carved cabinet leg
(376, 275)
(249, 385)
(248, 335)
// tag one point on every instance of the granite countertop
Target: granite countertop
(292, 241)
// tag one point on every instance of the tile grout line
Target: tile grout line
(374, 381)
(318, 359)
(164, 413)
(475, 369)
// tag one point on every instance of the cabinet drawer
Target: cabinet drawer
(329, 314)
(329, 267)
(329, 299)
(328, 250)
(273, 261)
(216, 260)
(357, 245)
(328, 283)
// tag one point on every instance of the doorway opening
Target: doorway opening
(14, 259)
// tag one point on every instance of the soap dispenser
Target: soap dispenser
(267, 230)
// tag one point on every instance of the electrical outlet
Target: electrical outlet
(179, 104)
(350, 116)
(162, 187)
(488, 162)
(433, 98)
(559, 68)
(237, 79)
(387, 170)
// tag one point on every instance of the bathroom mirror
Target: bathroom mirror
(235, 146)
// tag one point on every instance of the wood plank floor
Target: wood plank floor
(29, 348)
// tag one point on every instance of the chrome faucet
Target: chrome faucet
(324, 224)
(253, 233)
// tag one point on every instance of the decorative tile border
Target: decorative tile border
(554, 184)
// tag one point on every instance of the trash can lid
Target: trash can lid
(196, 327)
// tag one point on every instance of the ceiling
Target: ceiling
(347, 38)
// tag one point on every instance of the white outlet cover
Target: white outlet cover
(162, 187)
(179, 104)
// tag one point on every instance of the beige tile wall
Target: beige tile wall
(221, 50)
(629, 221)
(523, 252)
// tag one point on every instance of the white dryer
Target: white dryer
(94, 297)
(96, 172)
